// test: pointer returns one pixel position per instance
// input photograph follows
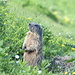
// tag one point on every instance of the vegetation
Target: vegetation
(57, 21)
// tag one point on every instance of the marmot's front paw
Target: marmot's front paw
(23, 47)
(27, 50)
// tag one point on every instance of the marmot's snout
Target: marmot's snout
(31, 27)
(29, 24)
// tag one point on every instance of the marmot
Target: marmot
(33, 45)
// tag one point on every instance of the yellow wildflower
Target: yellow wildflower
(67, 19)
(60, 37)
(73, 73)
(5, 13)
(73, 48)
(4, 23)
(58, 16)
(29, 18)
(62, 45)
(55, 12)
(65, 72)
(13, 26)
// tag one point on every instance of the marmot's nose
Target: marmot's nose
(29, 24)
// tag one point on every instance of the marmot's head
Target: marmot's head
(33, 27)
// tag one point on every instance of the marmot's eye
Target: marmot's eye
(36, 25)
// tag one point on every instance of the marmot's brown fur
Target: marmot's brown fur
(33, 45)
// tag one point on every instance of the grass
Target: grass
(62, 8)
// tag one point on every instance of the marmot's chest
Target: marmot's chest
(31, 39)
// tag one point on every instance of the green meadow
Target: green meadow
(57, 20)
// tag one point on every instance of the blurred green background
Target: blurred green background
(58, 15)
